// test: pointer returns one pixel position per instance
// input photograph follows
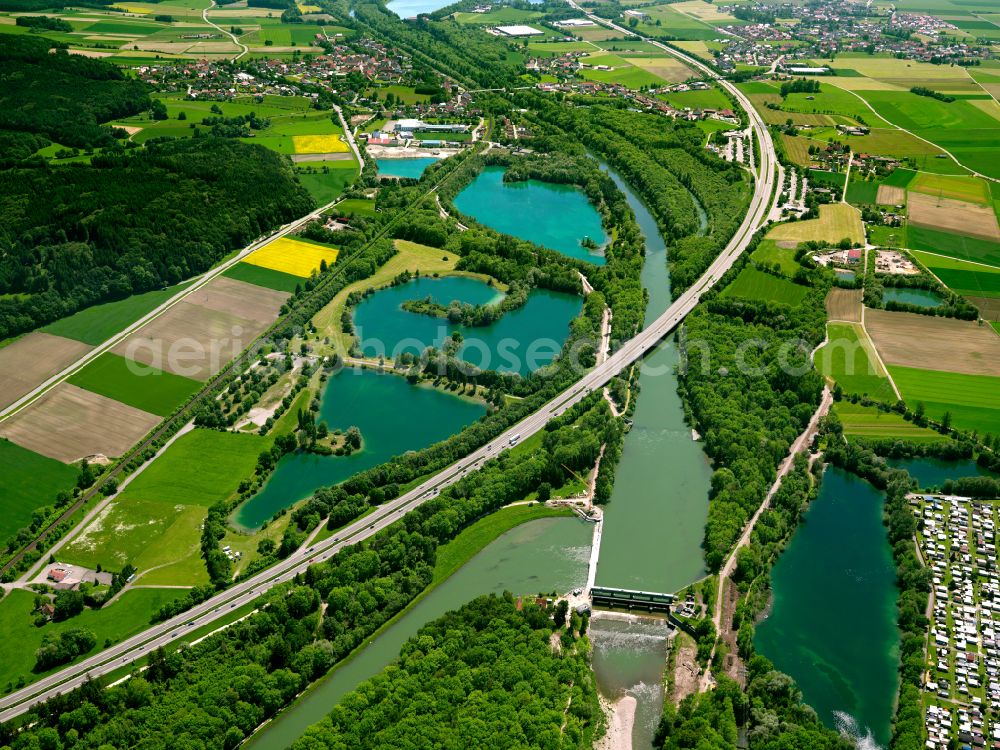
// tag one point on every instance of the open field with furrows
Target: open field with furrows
(849, 359)
(156, 522)
(411, 257)
(958, 187)
(889, 195)
(752, 283)
(264, 277)
(869, 423)
(31, 360)
(836, 221)
(958, 246)
(292, 256)
(970, 279)
(844, 304)
(189, 340)
(95, 325)
(29, 481)
(972, 400)
(145, 388)
(237, 297)
(950, 215)
(669, 69)
(123, 618)
(913, 340)
(68, 423)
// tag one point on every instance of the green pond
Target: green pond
(558, 217)
(546, 555)
(921, 297)
(832, 624)
(655, 520)
(931, 472)
(405, 167)
(521, 341)
(393, 416)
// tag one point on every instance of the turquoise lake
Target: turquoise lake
(404, 167)
(521, 341)
(558, 217)
(931, 472)
(921, 297)
(393, 416)
(832, 624)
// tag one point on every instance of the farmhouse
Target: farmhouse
(637, 14)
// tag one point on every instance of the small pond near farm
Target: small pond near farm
(921, 297)
(931, 472)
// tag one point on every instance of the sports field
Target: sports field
(867, 422)
(30, 480)
(146, 388)
(849, 359)
(95, 325)
(293, 257)
(836, 221)
(972, 400)
(68, 423)
(754, 284)
(913, 340)
(264, 277)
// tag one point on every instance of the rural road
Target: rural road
(138, 646)
(236, 39)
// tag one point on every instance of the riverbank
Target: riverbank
(621, 717)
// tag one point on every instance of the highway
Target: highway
(245, 592)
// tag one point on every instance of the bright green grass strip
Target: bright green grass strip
(899, 178)
(870, 423)
(847, 358)
(356, 206)
(28, 481)
(201, 468)
(125, 617)
(972, 400)
(769, 252)
(324, 188)
(265, 277)
(141, 386)
(953, 245)
(754, 284)
(97, 324)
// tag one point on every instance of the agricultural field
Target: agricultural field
(68, 423)
(264, 277)
(844, 305)
(674, 24)
(754, 284)
(292, 256)
(972, 400)
(30, 480)
(969, 279)
(769, 252)
(95, 325)
(869, 423)
(913, 340)
(32, 359)
(953, 245)
(125, 617)
(957, 187)
(849, 359)
(890, 195)
(836, 221)
(633, 73)
(950, 215)
(328, 180)
(145, 388)
(711, 98)
(501, 15)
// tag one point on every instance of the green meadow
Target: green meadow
(147, 388)
(972, 400)
(867, 422)
(754, 284)
(265, 277)
(964, 278)
(768, 251)
(30, 481)
(848, 358)
(953, 245)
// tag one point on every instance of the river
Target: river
(832, 624)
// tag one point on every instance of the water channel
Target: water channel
(832, 624)
(521, 341)
(546, 555)
(386, 408)
(561, 216)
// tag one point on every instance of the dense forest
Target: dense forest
(130, 222)
(61, 96)
(749, 386)
(484, 676)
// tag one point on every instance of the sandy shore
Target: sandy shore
(620, 720)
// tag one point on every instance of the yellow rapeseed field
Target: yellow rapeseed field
(292, 256)
(318, 144)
